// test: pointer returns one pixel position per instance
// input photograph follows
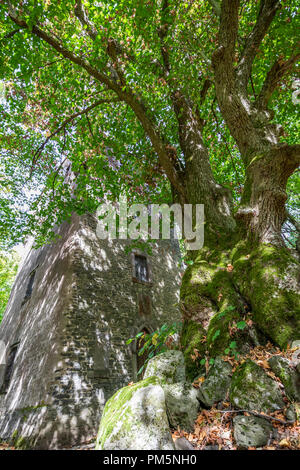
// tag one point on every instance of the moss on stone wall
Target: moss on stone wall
(19, 442)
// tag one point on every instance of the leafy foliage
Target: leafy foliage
(8, 269)
(156, 342)
(51, 122)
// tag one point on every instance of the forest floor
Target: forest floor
(214, 427)
(214, 431)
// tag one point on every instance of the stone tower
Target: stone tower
(72, 308)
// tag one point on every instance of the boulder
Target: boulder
(251, 431)
(135, 418)
(295, 344)
(183, 444)
(182, 405)
(252, 389)
(216, 385)
(168, 367)
(289, 376)
(291, 413)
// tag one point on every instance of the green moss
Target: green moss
(115, 409)
(194, 288)
(218, 333)
(192, 338)
(265, 276)
(252, 389)
(288, 376)
(208, 293)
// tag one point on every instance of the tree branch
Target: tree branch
(10, 35)
(255, 413)
(206, 86)
(58, 46)
(63, 126)
(287, 156)
(228, 33)
(266, 14)
(275, 74)
(123, 93)
(293, 221)
(162, 33)
(215, 6)
(84, 20)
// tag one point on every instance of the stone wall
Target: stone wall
(72, 331)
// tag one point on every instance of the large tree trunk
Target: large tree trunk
(240, 280)
(250, 274)
(244, 271)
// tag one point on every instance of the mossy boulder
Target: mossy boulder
(192, 336)
(182, 405)
(168, 367)
(288, 376)
(251, 431)
(135, 418)
(252, 389)
(292, 413)
(217, 383)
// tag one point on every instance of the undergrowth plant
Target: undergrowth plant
(157, 342)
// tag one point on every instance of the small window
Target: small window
(30, 285)
(141, 268)
(9, 368)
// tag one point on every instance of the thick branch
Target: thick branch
(234, 107)
(10, 35)
(293, 221)
(163, 32)
(84, 20)
(123, 94)
(58, 46)
(215, 6)
(266, 14)
(291, 155)
(275, 74)
(228, 32)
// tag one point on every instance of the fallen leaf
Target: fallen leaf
(284, 443)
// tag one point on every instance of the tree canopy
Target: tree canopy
(8, 270)
(93, 83)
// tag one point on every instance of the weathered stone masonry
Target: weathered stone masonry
(70, 333)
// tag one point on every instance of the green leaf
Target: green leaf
(241, 325)
(217, 333)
